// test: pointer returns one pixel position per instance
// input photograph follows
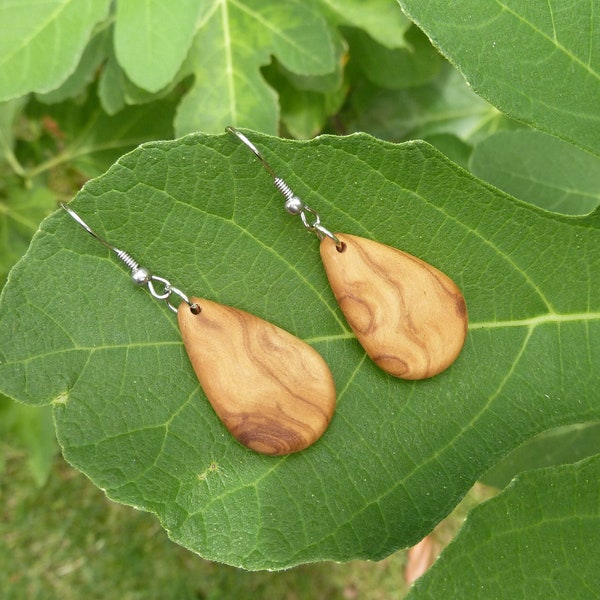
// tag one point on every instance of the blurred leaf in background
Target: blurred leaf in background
(33, 427)
(41, 44)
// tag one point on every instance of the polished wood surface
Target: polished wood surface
(273, 392)
(409, 317)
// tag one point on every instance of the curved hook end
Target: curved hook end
(81, 222)
(253, 148)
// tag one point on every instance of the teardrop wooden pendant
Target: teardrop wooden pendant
(273, 392)
(409, 317)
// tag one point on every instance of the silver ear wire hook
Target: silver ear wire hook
(252, 147)
(293, 204)
(139, 275)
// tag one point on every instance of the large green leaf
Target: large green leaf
(537, 539)
(42, 42)
(539, 62)
(398, 455)
(234, 41)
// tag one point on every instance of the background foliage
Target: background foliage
(298, 68)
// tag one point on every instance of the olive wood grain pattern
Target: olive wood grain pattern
(273, 392)
(409, 317)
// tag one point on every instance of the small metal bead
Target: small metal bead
(294, 205)
(140, 276)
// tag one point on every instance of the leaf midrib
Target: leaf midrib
(227, 44)
(532, 322)
(551, 317)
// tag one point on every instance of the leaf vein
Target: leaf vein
(554, 41)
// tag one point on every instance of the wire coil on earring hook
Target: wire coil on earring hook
(293, 203)
(140, 275)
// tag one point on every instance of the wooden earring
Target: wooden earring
(273, 392)
(410, 318)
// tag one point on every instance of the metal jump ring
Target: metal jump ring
(320, 231)
(167, 288)
(323, 232)
(183, 297)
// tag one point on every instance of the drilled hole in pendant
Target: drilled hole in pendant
(195, 308)
(341, 248)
